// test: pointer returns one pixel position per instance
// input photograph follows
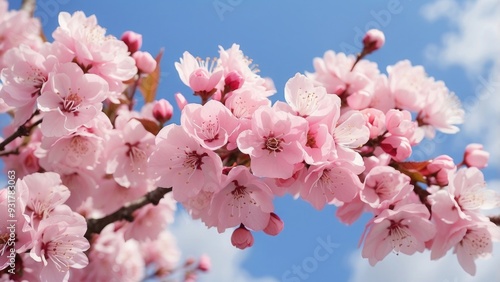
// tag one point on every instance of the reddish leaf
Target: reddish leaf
(150, 125)
(149, 84)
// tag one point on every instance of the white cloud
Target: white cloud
(419, 267)
(474, 45)
(476, 41)
(194, 239)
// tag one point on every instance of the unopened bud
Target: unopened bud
(204, 263)
(144, 61)
(180, 100)
(475, 156)
(162, 111)
(133, 41)
(374, 39)
(242, 238)
(274, 226)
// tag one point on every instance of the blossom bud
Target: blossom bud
(375, 121)
(144, 61)
(204, 263)
(242, 238)
(475, 156)
(233, 81)
(133, 41)
(180, 100)
(440, 167)
(398, 147)
(162, 111)
(374, 39)
(274, 226)
(399, 123)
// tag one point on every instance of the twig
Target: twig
(22, 130)
(495, 219)
(96, 225)
(29, 6)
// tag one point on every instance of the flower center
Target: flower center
(71, 104)
(193, 160)
(273, 144)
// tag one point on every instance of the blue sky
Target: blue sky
(283, 37)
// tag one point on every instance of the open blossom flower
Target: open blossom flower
(275, 142)
(70, 99)
(211, 124)
(60, 245)
(94, 51)
(23, 78)
(16, 28)
(179, 161)
(442, 110)
(243, 199)
(384, 186)
(408, 85)
(405, 230)
(327, 182)
(46, 192)
(464, 195)
(129, 150)
(306, 98)
(470, 240)
(199, 75)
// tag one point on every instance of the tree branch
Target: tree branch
(22, 130)
(495, 219)
(96, 225)
(29, 6)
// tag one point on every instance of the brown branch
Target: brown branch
(96, 225)
(22, 130)
(495, 219)
(29, 6)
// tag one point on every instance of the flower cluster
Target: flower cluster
(89, 165)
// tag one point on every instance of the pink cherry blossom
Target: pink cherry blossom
(23, 78)
(475, 156)
(470, 239)
(439, 169)
(60, 245)
(384, 186)
(275, 142)
(200, 75)
(17, 28)
(464, 195)
(70, 99)
(46, 192)
(94, 51)
(111, 258)
(243, 199)
(405, 230)
(133, 40)
(242, 238)
(161, 252)
(306, 98)
(327, 182)
(128, 151)
(408, 85)
(144, 61)
(320, 146)
(179, 161)
(211, 124)
(349, 212)
(399, 123)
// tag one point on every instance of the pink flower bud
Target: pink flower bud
(233, 81)
(180, 100)
(374, 39)
(162, 111)
(144, 61)
(274, 226)
(204, 263)
(475, 156)
(242, 238)
(399, 123)
(375, 121)
(133, 41)
(398, 147)
(439, 168)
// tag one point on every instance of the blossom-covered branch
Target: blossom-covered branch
(95, 225)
